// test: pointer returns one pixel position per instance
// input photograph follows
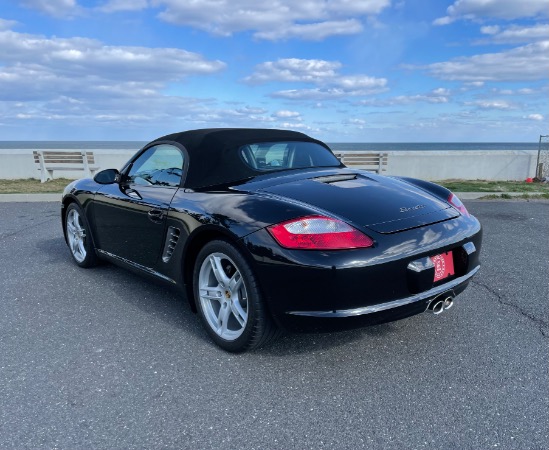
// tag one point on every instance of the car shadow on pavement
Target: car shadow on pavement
(172, 307)
(147, 294)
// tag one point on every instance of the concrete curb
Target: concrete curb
(26, 198)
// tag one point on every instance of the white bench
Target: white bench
(52, 160)
(374, 162)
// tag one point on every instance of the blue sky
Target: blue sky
(339, 70)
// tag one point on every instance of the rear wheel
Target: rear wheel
(79, 237)
(229, 300)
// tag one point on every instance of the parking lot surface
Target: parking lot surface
(100, 358)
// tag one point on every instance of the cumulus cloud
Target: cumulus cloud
(293, 69)
(439, 95)
(498, 9)
(536, 117)
(312, 31)
(279, 19)
(285, 114)
(330, 84)
(358, 123)
(83, 83)
(55, 8)
(522, 91)
(501, 105)
(87, 63)
(529, 62)
(515, 34)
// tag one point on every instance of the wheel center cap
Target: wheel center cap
(227, 294)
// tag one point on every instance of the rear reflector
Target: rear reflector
(318, 233)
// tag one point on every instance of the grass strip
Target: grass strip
(33, 186)
(493, 186)
(544, 196)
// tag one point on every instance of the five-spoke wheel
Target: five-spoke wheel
(229, 300)
(223, 296)
(78, 238)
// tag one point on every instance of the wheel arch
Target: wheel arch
(66, 202)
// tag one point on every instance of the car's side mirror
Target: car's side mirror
(107, 176)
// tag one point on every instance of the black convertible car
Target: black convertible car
(266, 230)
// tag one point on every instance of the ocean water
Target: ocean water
(351, 146)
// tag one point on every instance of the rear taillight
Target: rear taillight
(318, 233)
(456, 203)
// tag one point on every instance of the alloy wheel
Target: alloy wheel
(223, 296)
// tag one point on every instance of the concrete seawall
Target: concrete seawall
(428, 165)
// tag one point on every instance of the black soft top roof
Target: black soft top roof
(213, 155)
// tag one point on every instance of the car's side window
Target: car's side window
(161, 165)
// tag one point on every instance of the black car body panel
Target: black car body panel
(158, 230)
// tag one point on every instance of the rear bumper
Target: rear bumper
(334, 290)
(457, 284)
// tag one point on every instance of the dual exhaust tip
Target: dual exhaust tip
(438, 305)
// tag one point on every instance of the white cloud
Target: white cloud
(279, 19)
(358, 82)
(475, 83)
(312, 31)
(516, 34)
(436, 96)
(123, 5)
(324, 74)
(293, 69)
(285, 114)
(522, 91)
(55, 8)
(310, 94)
(90, 64)
(498, 9)
(501, 105)
(78, 83)
(354, 121)
(536, 117)
(329, 93)
(7, 24)
(490, 29)
(529, 62)
(296, 126)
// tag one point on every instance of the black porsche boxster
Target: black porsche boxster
(266, 230)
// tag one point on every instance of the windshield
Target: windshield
(272, 156)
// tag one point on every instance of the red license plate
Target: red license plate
(444, 265)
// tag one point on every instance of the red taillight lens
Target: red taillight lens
(456, 203)
(318, 233)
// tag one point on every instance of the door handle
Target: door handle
(156, 215)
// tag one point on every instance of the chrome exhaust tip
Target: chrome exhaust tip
(436, 306)
(448, 303)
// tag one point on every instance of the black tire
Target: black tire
(78, 237)
(259, 327)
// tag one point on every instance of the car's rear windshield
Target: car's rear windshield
(273, 156)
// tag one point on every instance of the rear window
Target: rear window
(273, 156)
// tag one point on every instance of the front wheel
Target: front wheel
(79, 237)
(229, 299)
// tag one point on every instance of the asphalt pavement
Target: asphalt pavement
(100, 358)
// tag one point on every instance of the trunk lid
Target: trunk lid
(382, 204)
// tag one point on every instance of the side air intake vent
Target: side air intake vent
(171, 241)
